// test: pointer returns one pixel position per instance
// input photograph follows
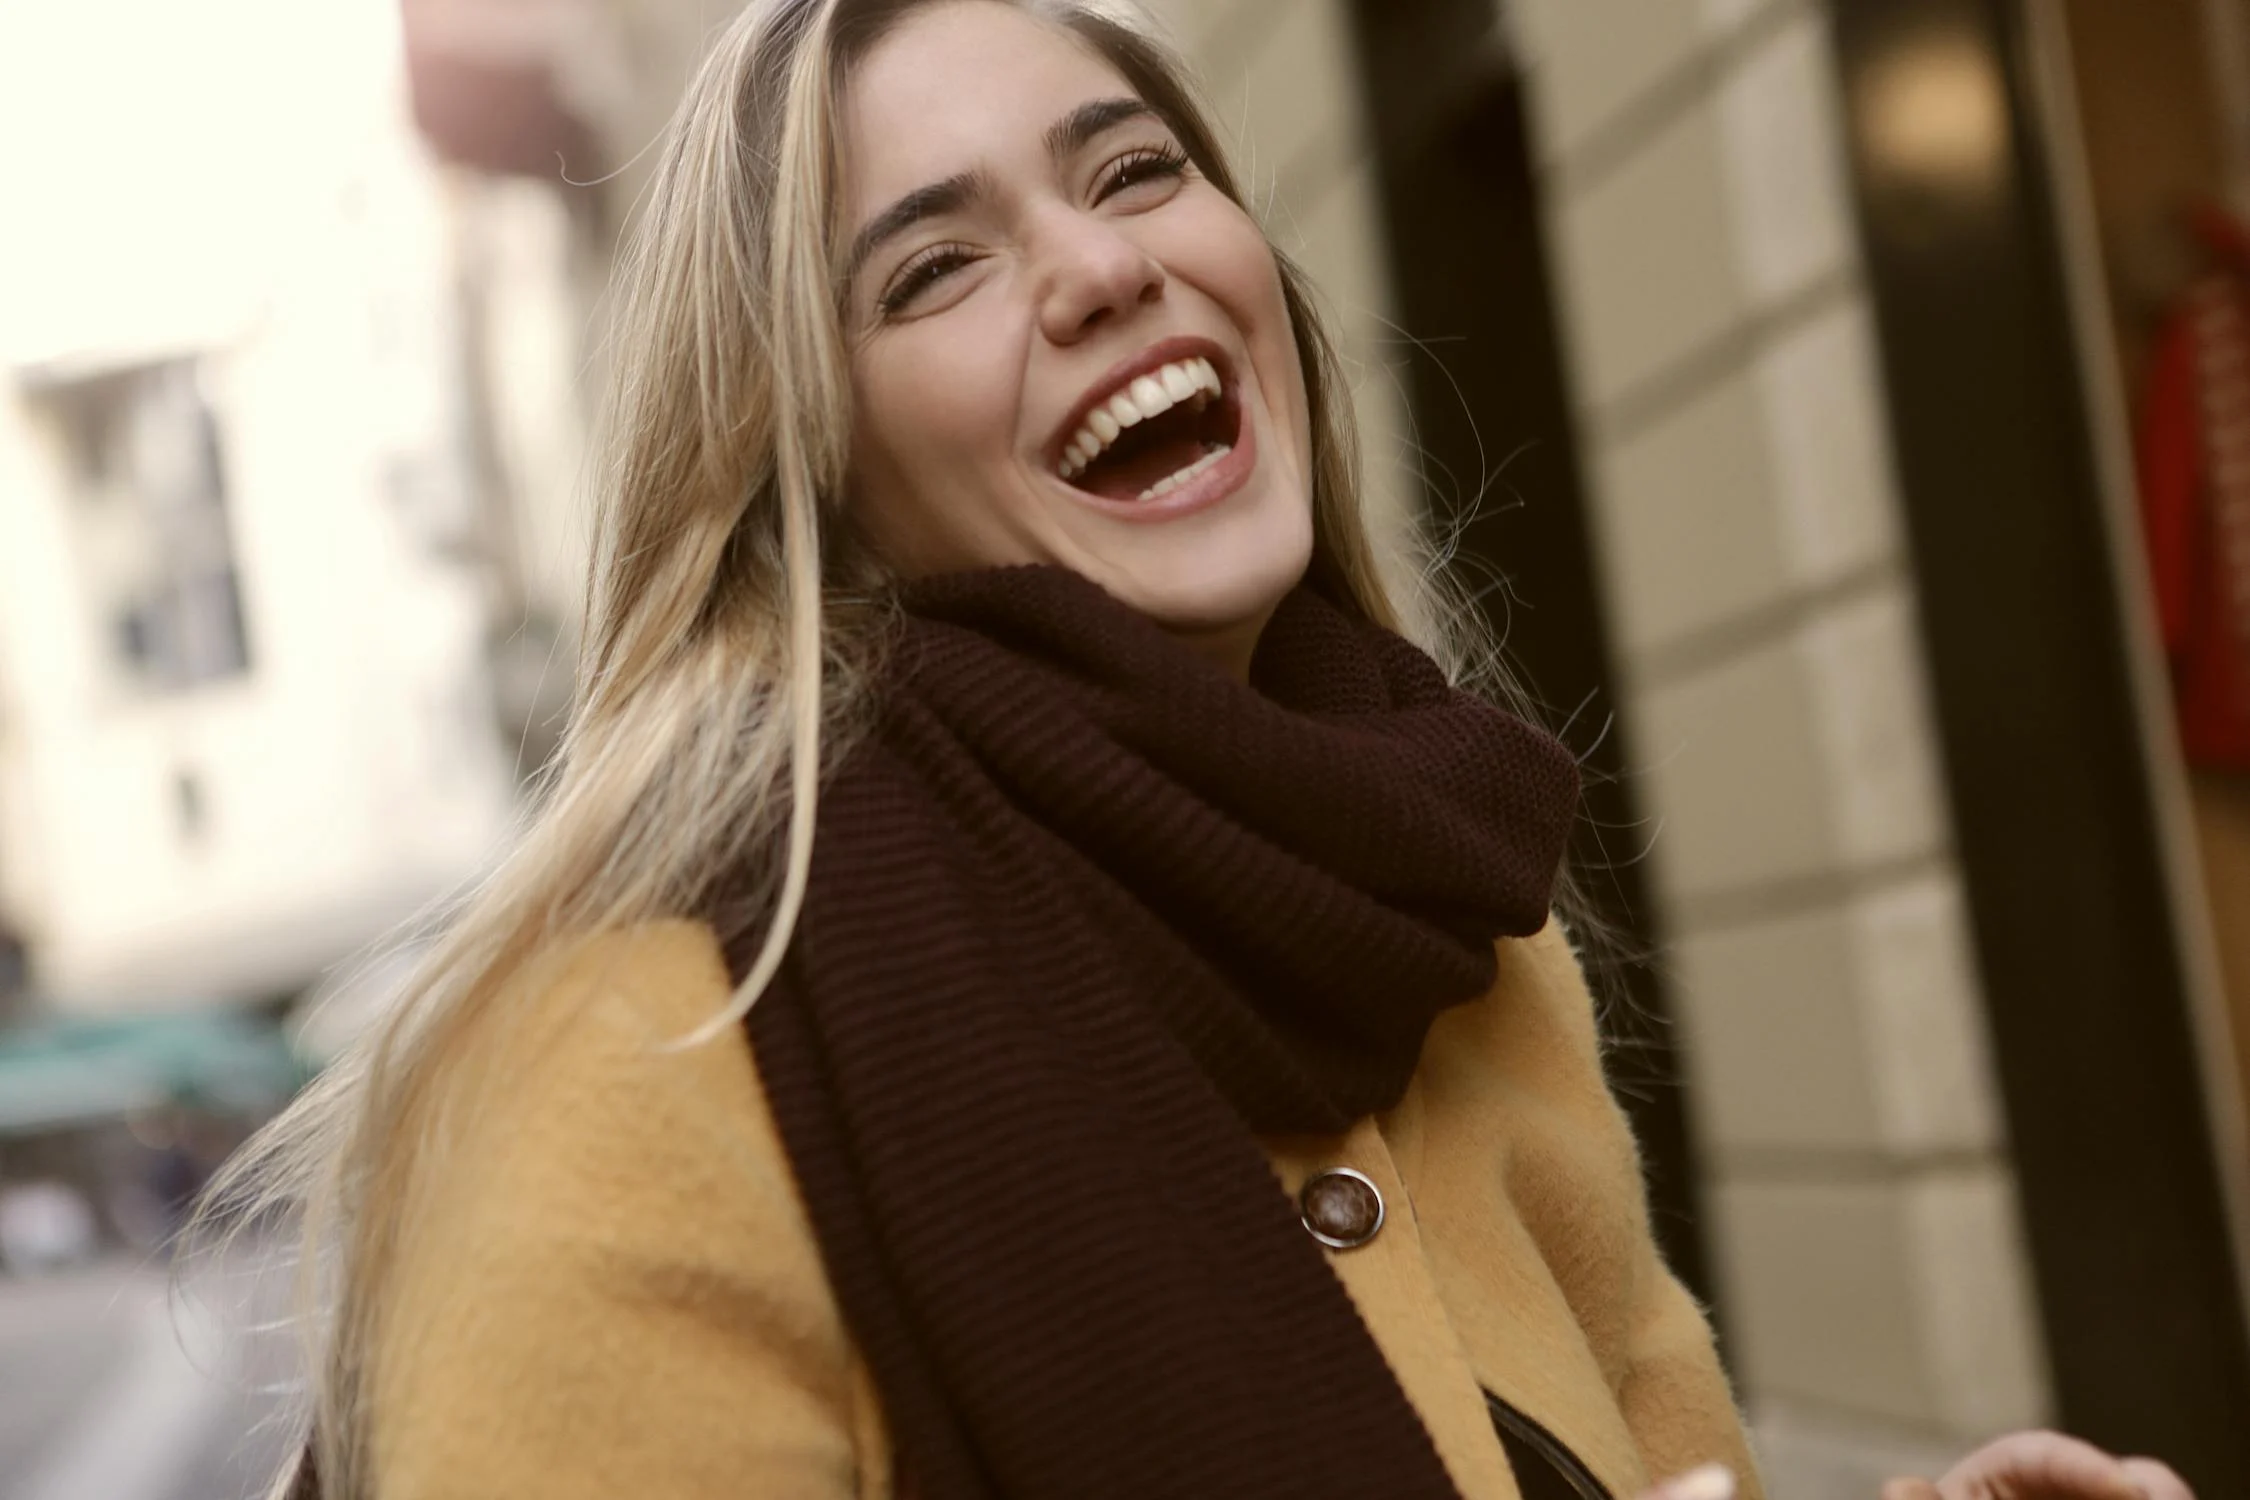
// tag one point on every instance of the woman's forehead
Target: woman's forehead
(958, 87)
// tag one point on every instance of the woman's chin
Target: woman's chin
(1203, 597)
(1213, 573)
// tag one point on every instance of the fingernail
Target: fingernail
(1711, 1482)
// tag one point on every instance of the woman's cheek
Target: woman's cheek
(938, 412)
(912, 401)
(963, 382)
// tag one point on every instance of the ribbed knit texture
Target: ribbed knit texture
(1086, 916)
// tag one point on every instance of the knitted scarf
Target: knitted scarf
(1086, 918)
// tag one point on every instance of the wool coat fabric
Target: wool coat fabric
(607, 1283)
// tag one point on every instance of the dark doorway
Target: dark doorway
(1490, 406)
(2051, 792)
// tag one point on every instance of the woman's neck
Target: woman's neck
(1229, 647)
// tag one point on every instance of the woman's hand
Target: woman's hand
(2020, 1466)
(1710, 1482)
(2044, 1466)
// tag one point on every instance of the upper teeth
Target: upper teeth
(1149, 395)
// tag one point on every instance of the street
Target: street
(113, 1386)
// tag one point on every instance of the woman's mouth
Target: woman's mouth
(1158, 432)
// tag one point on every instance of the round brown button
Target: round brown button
(1341, 1208)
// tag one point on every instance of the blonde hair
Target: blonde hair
(733, 625)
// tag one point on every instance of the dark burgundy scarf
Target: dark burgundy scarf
(1086, 918)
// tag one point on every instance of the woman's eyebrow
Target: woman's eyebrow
(1064, 139)
(928, 202)
(1088, 120)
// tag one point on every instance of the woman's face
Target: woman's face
(1067, 345)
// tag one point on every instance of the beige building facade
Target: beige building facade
(245, 714)
(1859, 1191)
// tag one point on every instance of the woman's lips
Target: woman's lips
(1158, 396)
(1209, 484)
(1161, 452)
(1120, 380)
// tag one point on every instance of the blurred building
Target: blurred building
(245, 709)
(289, 558)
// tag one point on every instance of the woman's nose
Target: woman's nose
(1092, 275)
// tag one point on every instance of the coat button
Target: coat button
(1341, 1208)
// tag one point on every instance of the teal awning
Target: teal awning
(59, 1073)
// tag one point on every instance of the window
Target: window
(149, 491)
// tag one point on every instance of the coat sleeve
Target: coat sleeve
(1656, 1342)
(1674, 1395)
(606, 1283)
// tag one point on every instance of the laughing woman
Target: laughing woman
(1026, 985)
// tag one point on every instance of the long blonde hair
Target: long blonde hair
(732, 626)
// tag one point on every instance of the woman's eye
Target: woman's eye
(1148, 164)
(920, 274)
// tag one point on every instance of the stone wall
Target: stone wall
(1857, 1178)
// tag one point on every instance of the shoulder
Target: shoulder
(641, 982)
(1537, 1022)
(603, 1250)
(605, 1068)
(1517, 1078)
(1548, 962)
(612, 1043)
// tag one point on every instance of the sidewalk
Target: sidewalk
(112, 1388)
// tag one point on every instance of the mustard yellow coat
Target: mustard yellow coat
(608, 1286)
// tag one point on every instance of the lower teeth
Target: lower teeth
(1167, 485)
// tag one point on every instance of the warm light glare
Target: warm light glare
(242, 609)
(160, 154)
(1934, 114)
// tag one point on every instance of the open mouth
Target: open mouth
(1155, 434)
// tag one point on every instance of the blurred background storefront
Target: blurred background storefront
(1836, 398)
